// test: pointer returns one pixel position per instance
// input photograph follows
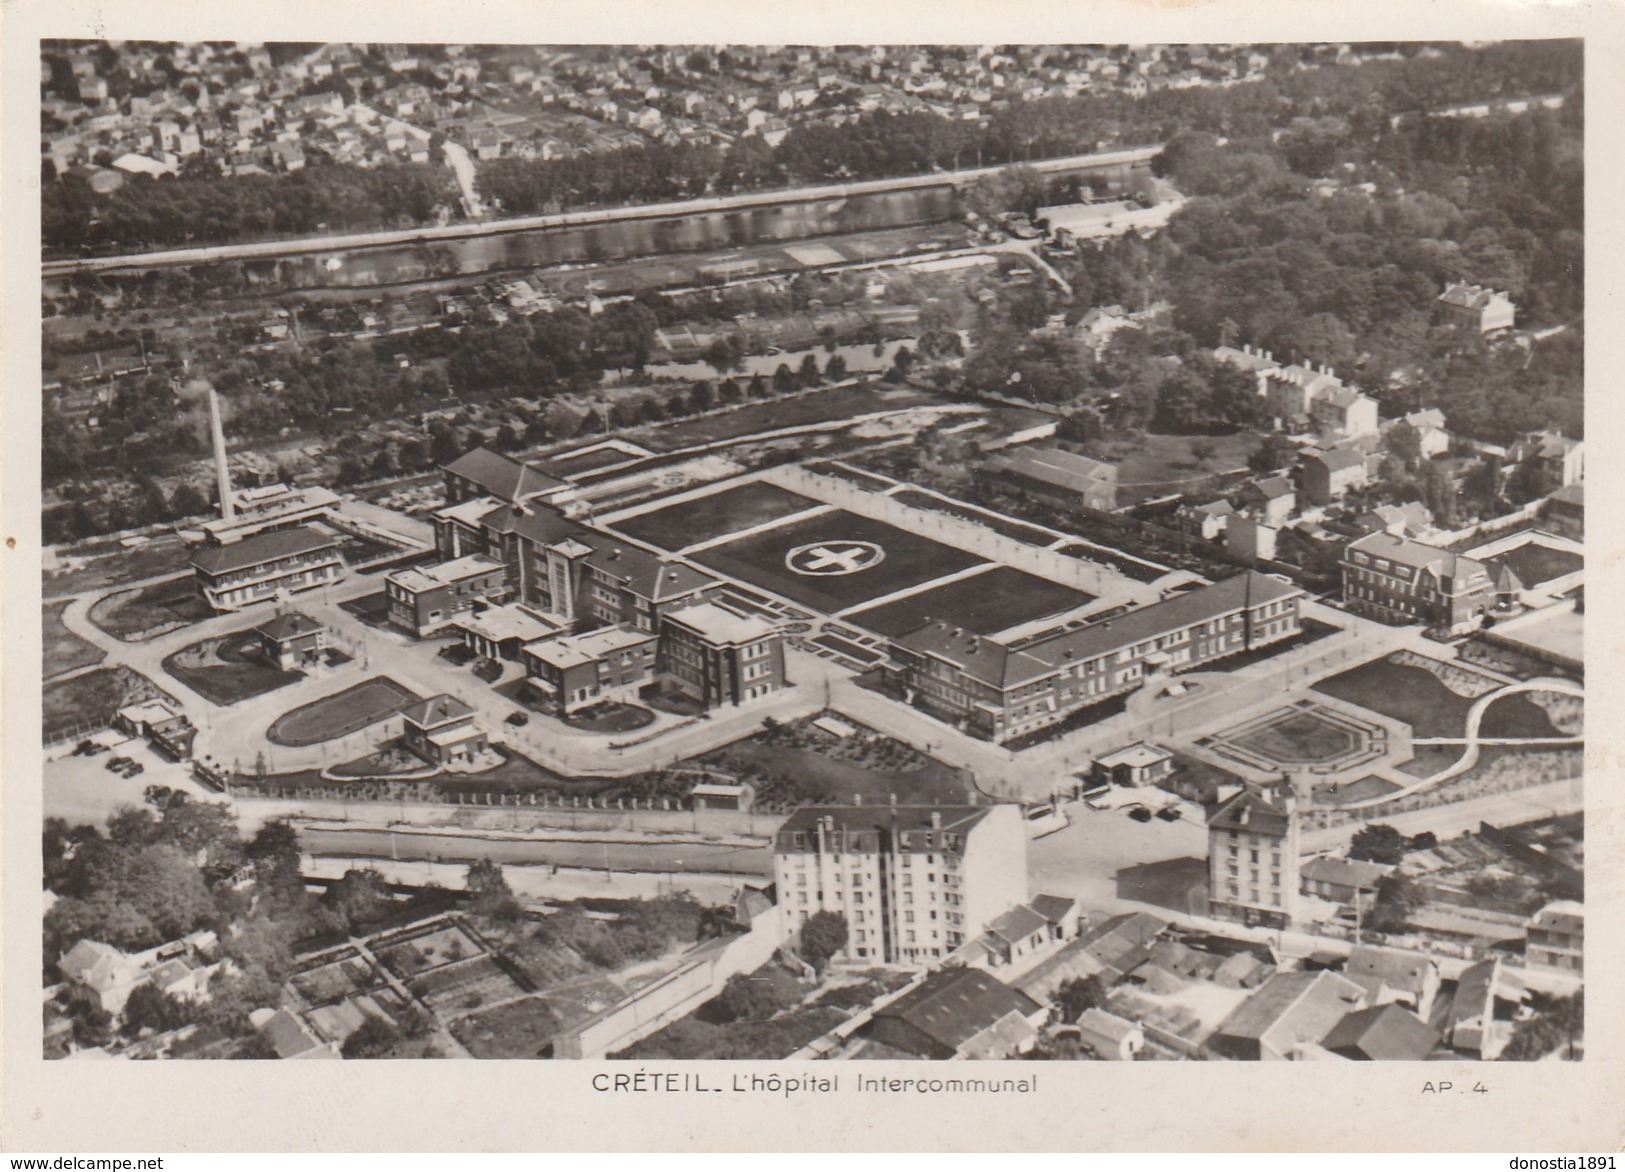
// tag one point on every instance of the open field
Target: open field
(63, 650)
(147, 611)
(1413, 695)
(909, 560)
(227, 669)
(98, 565)
(985, 603)
(827, 406)
(1155, 464)
(95, 697)
(342, 713)
(703, 518)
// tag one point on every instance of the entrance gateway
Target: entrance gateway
(828, 558)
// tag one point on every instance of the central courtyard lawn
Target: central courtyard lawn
(227, 669)
(1409, 694)
(1535, 563)
(984, 603)
(1517, 716)
(1015, 530)
(148, 611)
(342, 713)
(909, 560)
(702, 518)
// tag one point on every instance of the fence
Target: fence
(677, 993)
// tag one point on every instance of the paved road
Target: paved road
(651, 857)
(202, 255)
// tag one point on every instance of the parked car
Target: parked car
(1169, 814)
(1139, 813)
(133, 768)
(116, 763)
(518, 719)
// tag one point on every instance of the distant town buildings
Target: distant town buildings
(1476, 308)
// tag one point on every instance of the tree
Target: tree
(822, 936)
(1276, 451)
(835, 368)
(783, 380)
(360, 898)
(1079, 994)
(493, 898)
(744, 998)
(809, 372)
(1397, 898)
(373, 1038)
(149, 1007)
(1378, 843)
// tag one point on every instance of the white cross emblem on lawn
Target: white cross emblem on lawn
(826, 558)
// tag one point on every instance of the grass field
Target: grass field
(148, 611)
(1154, 464)
(342, 713)
(227, 669)
(94, 697)
(703, 518)
(827, 406)
(1298, 738)
(1342, 793)
(910, 560)
(984, 603)
(1516, 716)
(1409, 694)
(63, 650)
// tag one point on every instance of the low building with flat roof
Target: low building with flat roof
(566, 673)
(718, 655)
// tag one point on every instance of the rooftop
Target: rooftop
(642, 572)
(1415, 554)
(290, 625)
(1382, 1033)
(953, 1005)
(1307, 1005)
(436, 711)
(1138, 756)
(262, 548)
(906, 824)
(567, 651)
(1060, 468)
(502, 476)
(417, 579)
(721, 624)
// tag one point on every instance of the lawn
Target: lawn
(706, 517)
(1409, 694)
(1015, 530)
(827, 406)
(611, 717)
(909, 560)
(342, 713)
(584, 460)
(95, 697)
(65, 651)
(985, 603)
(1535, 563)
(1129, 567)
(227, 669)
(1517, 716)
(1430, 759)
(149, 611)
(1335, 793)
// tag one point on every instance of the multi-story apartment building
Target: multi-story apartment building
(1252, 849)
(1000, 691)
(424, 599)
(912, 882)
(719, 655)
(266, 566)
(1396, 580)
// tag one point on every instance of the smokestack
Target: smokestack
(222, 474)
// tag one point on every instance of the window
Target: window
(908, 917)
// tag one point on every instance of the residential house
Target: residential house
(1109, 1037)
(1205, 521)
(1556, 936)
(443, 731)
(1553, 459)
(1427, 427)
(914, 883)
(1392, 974)
(1247, 538)
(1344, 412)
(1271, 500)
(1471, 1025)
(107, 972)
(1328, 474)
(1473, 307)
(289, 1037)
(1382, 1033)
(959, 1013)
(1396, 580)
(1287, 1014)
(291, 640)
(1341, 880)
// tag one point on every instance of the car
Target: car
(133, 768)
(518, 719)
(116, 763)
(1169, 814)
(1139, 813)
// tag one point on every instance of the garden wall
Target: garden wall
(677, 994)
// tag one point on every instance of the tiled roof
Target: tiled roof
(436, 710)
(1405, 971)
(1382, 1033)
(953, 1005)
(261, 548)
(502, 476)
(288, 626)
